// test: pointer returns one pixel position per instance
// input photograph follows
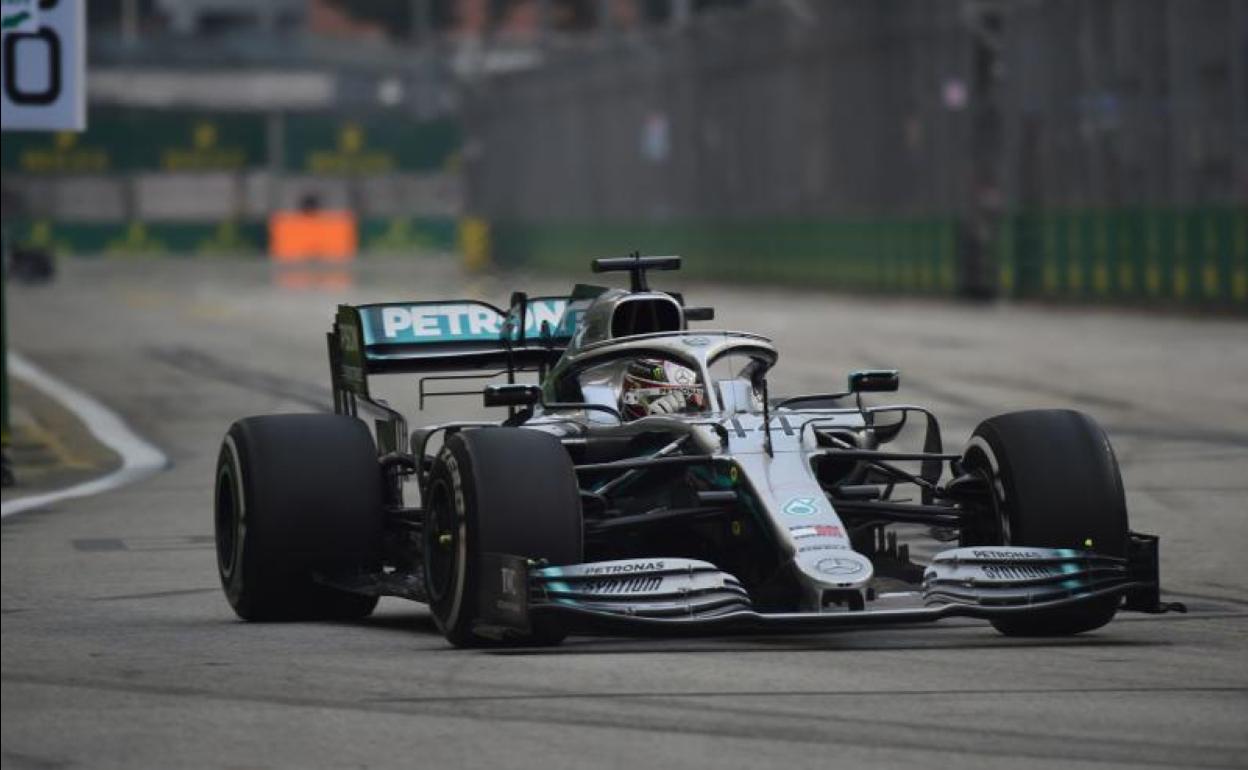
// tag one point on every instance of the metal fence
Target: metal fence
(749, 113)
(1126, 102)
(873, 116)
(868, 107)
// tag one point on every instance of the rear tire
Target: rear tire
(296, 494)
(1057, 485)
(496, 490)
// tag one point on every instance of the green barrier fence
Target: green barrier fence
(332, 145)
(1193, 256)
(389, 235)
(121, 140)
(141, 140)
(1196, 257)
(886, 255)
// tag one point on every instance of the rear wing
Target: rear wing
(458, 335)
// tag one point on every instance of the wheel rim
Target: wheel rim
(226, 521)
(441, 546)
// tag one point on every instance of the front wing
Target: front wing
(681, 597)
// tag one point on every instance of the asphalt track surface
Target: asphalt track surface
(119, 649)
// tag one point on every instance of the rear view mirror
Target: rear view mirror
(874, 381)
(512, 395)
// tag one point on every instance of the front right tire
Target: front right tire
(1055, 484)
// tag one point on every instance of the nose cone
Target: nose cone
(838, 568)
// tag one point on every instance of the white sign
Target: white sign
(43, 80)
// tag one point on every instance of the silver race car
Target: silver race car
(642, 480)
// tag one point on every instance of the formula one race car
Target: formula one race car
(649, 484)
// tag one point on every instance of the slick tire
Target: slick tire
(496, 490)
(1057, 485)
(295, 495)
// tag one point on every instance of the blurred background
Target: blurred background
(1085, 150)
(1020, 203)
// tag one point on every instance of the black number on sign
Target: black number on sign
(53, 47)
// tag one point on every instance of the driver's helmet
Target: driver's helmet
(655, 386)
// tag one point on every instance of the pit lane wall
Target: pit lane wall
(388, 235)
(1195, 257)
(192, 181)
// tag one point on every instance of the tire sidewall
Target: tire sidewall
(279, 535)
(980, 455)
(230, 476)
(243, 584)
(454, 609)
(506, 494)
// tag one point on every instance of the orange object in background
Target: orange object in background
(311, 236)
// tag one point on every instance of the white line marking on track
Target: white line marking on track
(139, 459)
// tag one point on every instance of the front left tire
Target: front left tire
(496, 490)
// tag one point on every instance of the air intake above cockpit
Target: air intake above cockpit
(646, 314)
